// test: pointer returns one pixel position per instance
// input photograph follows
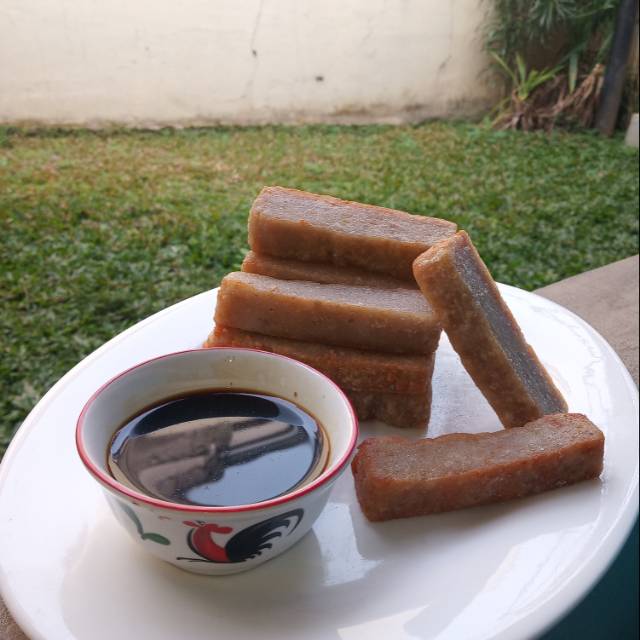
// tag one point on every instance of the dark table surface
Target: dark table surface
(607, 298)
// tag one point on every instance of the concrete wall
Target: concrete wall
(182, 62)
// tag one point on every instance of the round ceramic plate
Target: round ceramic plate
(67, 570)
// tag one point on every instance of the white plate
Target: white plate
(67, 570)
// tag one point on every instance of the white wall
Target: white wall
(181, 62)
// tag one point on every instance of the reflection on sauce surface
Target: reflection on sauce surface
(219, 448)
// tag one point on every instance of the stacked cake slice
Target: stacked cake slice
(329, 283)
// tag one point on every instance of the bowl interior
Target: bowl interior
(218, 368)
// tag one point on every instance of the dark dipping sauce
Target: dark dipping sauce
(219, 448)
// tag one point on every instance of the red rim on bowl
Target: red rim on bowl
(116, 486)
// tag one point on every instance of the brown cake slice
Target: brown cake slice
(395, 389)
(319, 272)
(399, 478)
(304, 226)
(354, 369)
(483, 331)
(405, 410)
(388, 320)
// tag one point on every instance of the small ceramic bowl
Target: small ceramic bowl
(216, 540)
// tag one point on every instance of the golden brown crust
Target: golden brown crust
(319, 272)
(400, 478)
(352, 369)
(304, 226)
(391, 320)
(408, 411)
(484, 332)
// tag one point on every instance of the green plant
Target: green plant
(579, 30)
(521, 108)
(573, 36)
(524, 81)
(589, 36)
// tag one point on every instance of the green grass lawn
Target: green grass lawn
(101, 230)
